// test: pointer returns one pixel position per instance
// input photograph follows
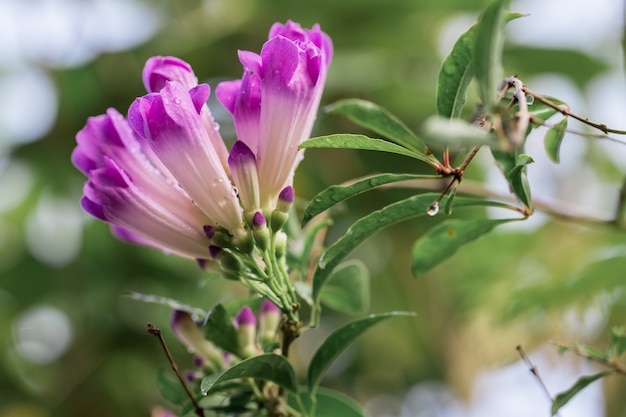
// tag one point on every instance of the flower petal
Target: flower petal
(176, 131)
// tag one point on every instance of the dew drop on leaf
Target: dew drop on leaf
(433, 209)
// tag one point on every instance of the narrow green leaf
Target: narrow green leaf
(443, 240)
(365, 227)
(268, 366)
(218, 328)
(519, 180)
(457, 71)
(488, 51)
(170, 302)
(170, 387)
(338, 193)
(339, 340)
(563, 398)
(552, 140)
(379, 120)
(328, 403)
(450, 202)
(348, 141)
(347, 289)
(618, 340)
(455, 133)
(455, 76)
(592, 352)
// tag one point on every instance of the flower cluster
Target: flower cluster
(163, 177)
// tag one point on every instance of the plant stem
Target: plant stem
(157, 332)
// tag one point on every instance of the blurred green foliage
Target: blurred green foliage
(511, 288)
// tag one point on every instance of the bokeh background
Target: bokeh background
(71, 344)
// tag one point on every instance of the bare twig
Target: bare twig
(157, 332)
(566, 112)
(533, 370)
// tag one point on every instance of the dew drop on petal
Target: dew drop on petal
(177, 100)
(433, 209)
(216, 126)
(235, 191)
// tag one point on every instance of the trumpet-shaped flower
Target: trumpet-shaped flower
(163, 177)
(275, 103)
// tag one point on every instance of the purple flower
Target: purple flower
(275, 103)
(163, 176)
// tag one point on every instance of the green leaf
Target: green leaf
(455, 76)
(563, 398)
(268, 366)
(443, 240)
(519, 180)
(219, 329)
(488, 51)
(552, 140)
(577, 65)
(381, 121)
(455, 133)
(338, 193)
(170, 302)
(347, 141)
(347, 289)
(618, 340)
(328, 403)
(171, 387)
(339, 340)
(365, 227)
(457, 72)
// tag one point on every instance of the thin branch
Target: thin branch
(533, 370)
(613, 366)
(543, 123)
(566, 112)
(157, 332)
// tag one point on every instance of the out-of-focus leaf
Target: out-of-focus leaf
(170, 387)
(618, 340)
(339, 340)
(268, 366)
(381, 121)
(443, 240)
(218, 328)
(338, 193)
(519, 180)
(553, 139)
(457, 71)
(327, 403)
(488, 51)
(563, 398)
(527, 61)
(347, 141)
(592, 353)
(170, 302)
(347, 289)
(455, 133)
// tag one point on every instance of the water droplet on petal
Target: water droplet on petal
(235, 191)
(433, 209)
(216, 126)
(177, 100)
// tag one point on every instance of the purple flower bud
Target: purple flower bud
(161, 69)
(269, 322)
(190, 335)
(246, 333)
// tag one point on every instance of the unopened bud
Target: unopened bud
(280, 215)
(260, 231)
(229, 263)
(190, 335)
(222, 240)
(246, 333)
(269, 320)
(280, 244)
(243, 240)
